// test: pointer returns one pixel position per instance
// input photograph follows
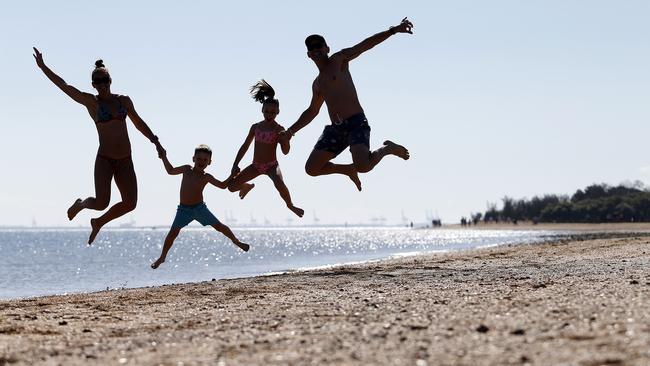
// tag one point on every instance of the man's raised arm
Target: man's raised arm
(353, 52)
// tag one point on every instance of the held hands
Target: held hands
(404, 27)
(161, 151)
(285, 135)
(39, 58)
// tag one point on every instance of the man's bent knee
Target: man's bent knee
(312, 170)
(361, 158)
(130, 205)
(362, 167)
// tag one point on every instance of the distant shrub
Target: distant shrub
(595, 204)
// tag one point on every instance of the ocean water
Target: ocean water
(37, 262)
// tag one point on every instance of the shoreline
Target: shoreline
(581, 300)
(576, 235)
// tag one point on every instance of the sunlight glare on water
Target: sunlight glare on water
(55, 261)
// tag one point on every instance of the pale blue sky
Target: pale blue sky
(492, 98)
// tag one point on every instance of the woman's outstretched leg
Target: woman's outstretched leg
(225, 230)
(127, 183)
(103, 177)
(276, 176)
(240, 182)
(169, 241)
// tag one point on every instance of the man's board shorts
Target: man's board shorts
(199, 212)
(339, 135)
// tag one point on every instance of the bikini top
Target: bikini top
(105, 115)
(266, 137)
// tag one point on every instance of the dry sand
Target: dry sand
(576, 302)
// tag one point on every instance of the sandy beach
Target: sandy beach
(580, 301)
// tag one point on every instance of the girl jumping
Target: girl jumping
(267, 136)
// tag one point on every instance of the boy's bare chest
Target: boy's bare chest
(193, 181)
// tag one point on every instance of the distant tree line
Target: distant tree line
(595, 204)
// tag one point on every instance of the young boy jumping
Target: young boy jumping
(192, 206)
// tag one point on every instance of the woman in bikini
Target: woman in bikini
(109, 112)
(266, 135)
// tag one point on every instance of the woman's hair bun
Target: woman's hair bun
(99, 63)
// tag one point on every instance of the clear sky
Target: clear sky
(492, 98)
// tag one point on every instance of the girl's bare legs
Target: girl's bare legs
(276, 176)
(239, 183)
(319, 163)
(103, 177)
(127, 183)
(225, 230)
(169, 241)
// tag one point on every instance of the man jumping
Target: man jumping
(349, 127)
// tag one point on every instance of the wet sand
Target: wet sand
(581, 301)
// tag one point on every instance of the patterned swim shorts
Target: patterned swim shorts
(338, 136)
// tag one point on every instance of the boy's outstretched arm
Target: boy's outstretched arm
(309, 114)
(171, 170)
(219, 184)
(353, 52)
(243, 149)
(78, 96)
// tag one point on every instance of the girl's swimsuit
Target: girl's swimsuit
(265, 137)
(262, 168)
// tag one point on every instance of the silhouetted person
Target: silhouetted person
(113, 161)
(334, 87)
